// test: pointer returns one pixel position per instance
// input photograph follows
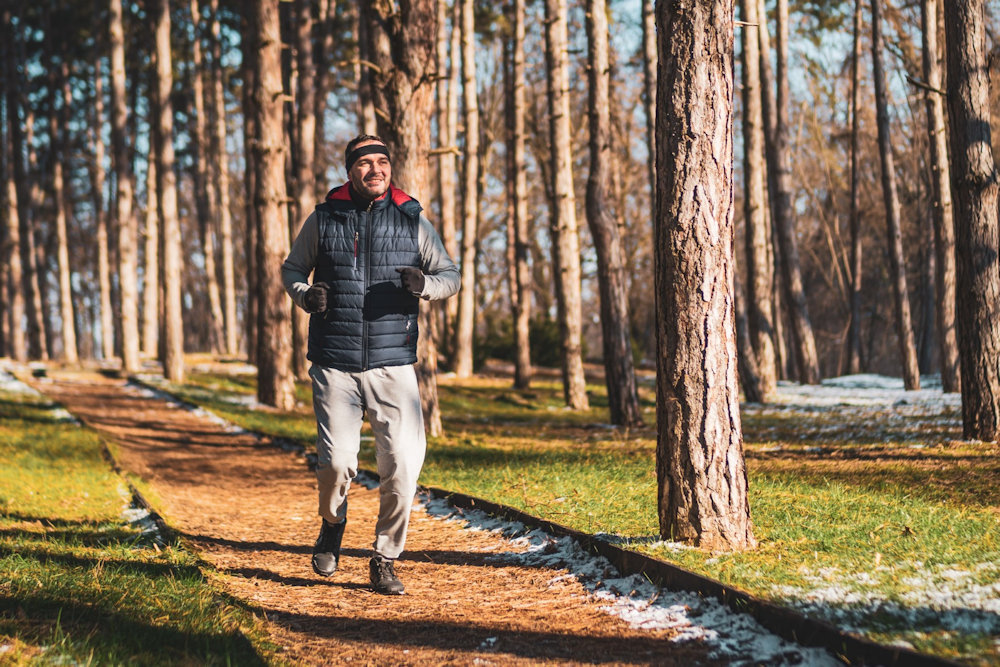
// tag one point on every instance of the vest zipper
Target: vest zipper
(355, 250)
(368, 272)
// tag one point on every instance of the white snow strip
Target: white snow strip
(736, 638)
(155, 392)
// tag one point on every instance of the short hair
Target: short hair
(360, 139)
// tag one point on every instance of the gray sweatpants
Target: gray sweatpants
(392, 399)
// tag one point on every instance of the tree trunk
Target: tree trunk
(304, 148)
(173, 339)
(699, 455)
(324, 38)
(465, 327)
(746, 358)
(944, 225)
(96, 169)
(366, 105)
(897, 261)
(780, 188)
(251, 224)
(14, 274)
(649, 65)
(404, 97)
(221, 160)
(565, 237)
(203, 189)
(517, 220)
(151, 302)
(760, 271)
(854, 332)
(275, 385)
(59, 137)
(619, 371)
(974, 185)
(446, 100)
(122, 165)
(26, 246)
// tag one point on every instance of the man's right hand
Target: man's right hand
(315, 298)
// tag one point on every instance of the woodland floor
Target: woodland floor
(248, 509)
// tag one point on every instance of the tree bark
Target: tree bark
(465, 326)
(404, 98)
(14, 274)
(251, 224)
(941, 207)
(854, 331)
(760, 270)
(275, 385)
(974, 185)
(106, 327)
(122, 165)
(221, 159)
(173, 334)
(59, 137)
(151, 302)
(780, 190)
(444, 96)
(619, 370)
(304, 147)
(204, 191)
(897, 260)
(565, 237)
(519, 273)
(324, 38)
(366, 105)
(699, 457)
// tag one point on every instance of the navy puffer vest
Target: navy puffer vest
(371, 321)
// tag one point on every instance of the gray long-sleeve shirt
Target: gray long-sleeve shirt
(441, 277)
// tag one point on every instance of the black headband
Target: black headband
(367, 149)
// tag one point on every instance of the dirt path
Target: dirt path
(249, 509)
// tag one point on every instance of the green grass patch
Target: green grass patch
(869, 519)
(81, 585)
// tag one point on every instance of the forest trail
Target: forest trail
(249, 509)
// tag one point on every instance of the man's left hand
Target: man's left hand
(412, 279)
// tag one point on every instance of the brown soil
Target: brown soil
(249, 509)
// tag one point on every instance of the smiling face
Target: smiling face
(370, 174)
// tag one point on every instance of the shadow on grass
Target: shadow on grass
(136, 568)
(117, 637)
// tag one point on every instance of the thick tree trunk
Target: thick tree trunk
(519, 272)
(221, 161)
(897, 260)
(944, 225)
(854, 331)
(974, 185)
(404, 97)
(760, 271)
(780, 190)
(275, 385)
(565, 237)
(324, 39)
(619, 370)
(465, 327)
(366, 104)
(122, 165)
(304, 148)
(151, 303)
(58, 135)
(166, 178)
(204, 191)
(699, 457)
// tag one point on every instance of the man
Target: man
(374, 256)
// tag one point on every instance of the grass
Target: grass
(864, 516)
(81, 585)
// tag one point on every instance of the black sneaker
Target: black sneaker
(326, 551)
(383, 576)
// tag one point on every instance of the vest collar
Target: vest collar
(345, 194)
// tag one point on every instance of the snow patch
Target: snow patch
(736, 638)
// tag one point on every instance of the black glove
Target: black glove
(412, 279)
(315, 299)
